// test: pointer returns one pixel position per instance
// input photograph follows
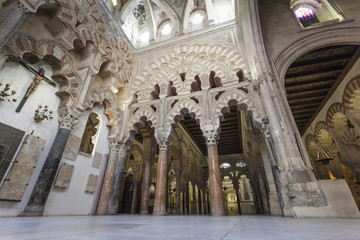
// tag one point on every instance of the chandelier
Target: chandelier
(323, 157)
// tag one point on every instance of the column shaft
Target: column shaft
(160, 192)
(178, 192)
(113, 207)
(216, 199)
(107, 183)
(134, 199)
(145, 187)
(40, 193)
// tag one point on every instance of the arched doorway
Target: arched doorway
(127, 195)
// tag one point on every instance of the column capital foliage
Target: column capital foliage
(124, 148)
(22, 8)
(211, 137)
(114, 146)
(164, 143)
(68, 120)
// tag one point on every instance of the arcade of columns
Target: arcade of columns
(216, 78)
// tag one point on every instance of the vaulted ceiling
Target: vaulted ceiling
(312, 78)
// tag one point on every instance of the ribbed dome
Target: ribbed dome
(149, 21)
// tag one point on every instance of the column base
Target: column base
(144, 212)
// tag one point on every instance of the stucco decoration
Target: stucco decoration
(183, 107)
(193, 60)
(141, 115)
(242, 101)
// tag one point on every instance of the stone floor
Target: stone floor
(177, 227)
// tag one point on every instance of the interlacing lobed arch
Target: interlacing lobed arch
(81, 25)
(190, 60)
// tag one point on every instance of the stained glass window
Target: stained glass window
(306, 16)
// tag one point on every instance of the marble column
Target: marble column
(113, 207)
(145, 185)
(134, 198)
(104, 199)
(161, 179)
(10, 19)
(235, 181)
(216, 198)
(40, 193)
(199, 201)
(194, 207)
(204, 202)
(187, 200)
(178, 181)
(178, 192)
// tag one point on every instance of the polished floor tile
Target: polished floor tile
(177, 227)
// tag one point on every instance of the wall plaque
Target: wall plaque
(10, 139)
(64, 176)
(16, 181)
(96, 163)
(91, 184)
(72, 147)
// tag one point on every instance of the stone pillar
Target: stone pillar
(216, 199)
(194, 207)
(40, 193)
(134, 198)
(274, 203)
(199, 201)
(235, 181)
(204, 202)
(115, 193)
(178, 192)
(104, 199)
(298, 187)
(187, 199)
(161, 179)
(178, 181)
(145, 185)
(10, 19)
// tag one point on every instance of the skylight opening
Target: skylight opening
(114, 2)
(198, 18)
(166, 29)
(145, 36)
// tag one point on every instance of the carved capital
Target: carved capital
(114, 146)
(211, 137)
(263, 77)
(164, 143)
(124, 148)
(68, 121)
(22, 9)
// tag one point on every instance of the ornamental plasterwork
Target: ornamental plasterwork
(192, 60)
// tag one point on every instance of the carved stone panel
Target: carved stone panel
(17, 179)
(72, 147)
(10, 139)
(96, 163)
(91, 184)
(64, 176)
